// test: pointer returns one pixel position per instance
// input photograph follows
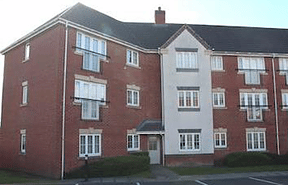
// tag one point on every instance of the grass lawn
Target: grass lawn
(221, 170)
(10, 177)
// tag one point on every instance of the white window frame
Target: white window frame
(86, 145)
(89, 50)
(255, 144)
(218, 94)
(133, 93)
(193, 142)
(216, 63)
(23, 141)
(90, 91)
(220, 136)
(285, 100)
(263, 100)
(185, 92)
(25, 93)
(130, 59)
(186, 60)
(252, 67)
(283, 66)
(133, 142)
(27, 51)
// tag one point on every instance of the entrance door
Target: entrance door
(154, 149)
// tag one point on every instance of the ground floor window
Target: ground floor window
(133, 142)
(220, 140)
(23, 141)
(89, 144)
(189, 141)
(256, 141)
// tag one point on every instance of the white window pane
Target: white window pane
(86, 60)
(95, 45)
(181, 99)
(182, 142)
(136, 141)
(188, 99)
(27, 51)
(195, 99)
(95, 63)
(85, 109)
(135, 58)
(87, 43)
(25, 94)
(82, 145)
(129, 97)
(135, 97)
(79, 40)
(130, 141)
(90, 144)
(129, 57)
(103, 47)
(97, 144)
(215, 99)
(196, 141)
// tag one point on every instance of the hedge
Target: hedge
(241, 159)
(113, 166)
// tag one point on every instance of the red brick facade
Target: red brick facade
(42, 116)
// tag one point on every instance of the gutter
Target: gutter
(64, 103)
(275, 105)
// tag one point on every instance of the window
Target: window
(89, 144)
(91, 95)
(218, 99)
(220, 140)
(133, 142)
(254, 103)
(251, 67)
(284, 100)
(188, 99)
(132, 58)
(283, 66)
(24, 93)
(256, 141)
(186, 60)
(189, 141)
(93, 50)
(132, 97)
(27, 51)
(217, 63)
(23, 141)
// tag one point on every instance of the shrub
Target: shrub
(140, 153)
(113, 166)
(241, 159)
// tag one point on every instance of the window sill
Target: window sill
(220, 108)
(131, 65)
(220, 148)
(188, 109)
(82, 158)
(134, 106)
(26, 60)
(91, 70)
(24, 105)
(218, 70)
(88, 119)
(22, 153)
(187, 70)
(134, 150)
(255, 121)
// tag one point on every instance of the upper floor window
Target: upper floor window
(186, 60)
(24, 93)
(89, 144)
(27, 51)
(188, 99)
(283, 67)
(189, 141)
(91, 95)
(251, 67)
(132, 57)
(284, 100)
(132, 97)
(133, 141)
(256, 141)
(93, 50)
(217, 63)
(254, 103)
(218, 99)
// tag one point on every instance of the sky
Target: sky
(19, 17)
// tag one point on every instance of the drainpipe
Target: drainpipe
(162, 103)
(275, 105)
(63, 103)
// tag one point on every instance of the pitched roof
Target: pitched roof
(150, 125)
(153, 36)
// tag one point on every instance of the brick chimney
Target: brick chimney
(159, 16)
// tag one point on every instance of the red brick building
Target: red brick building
(84, 83)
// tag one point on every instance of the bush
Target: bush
(114, 166)
(241, 159)
(140, 154)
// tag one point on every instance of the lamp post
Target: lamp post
(86, 168)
